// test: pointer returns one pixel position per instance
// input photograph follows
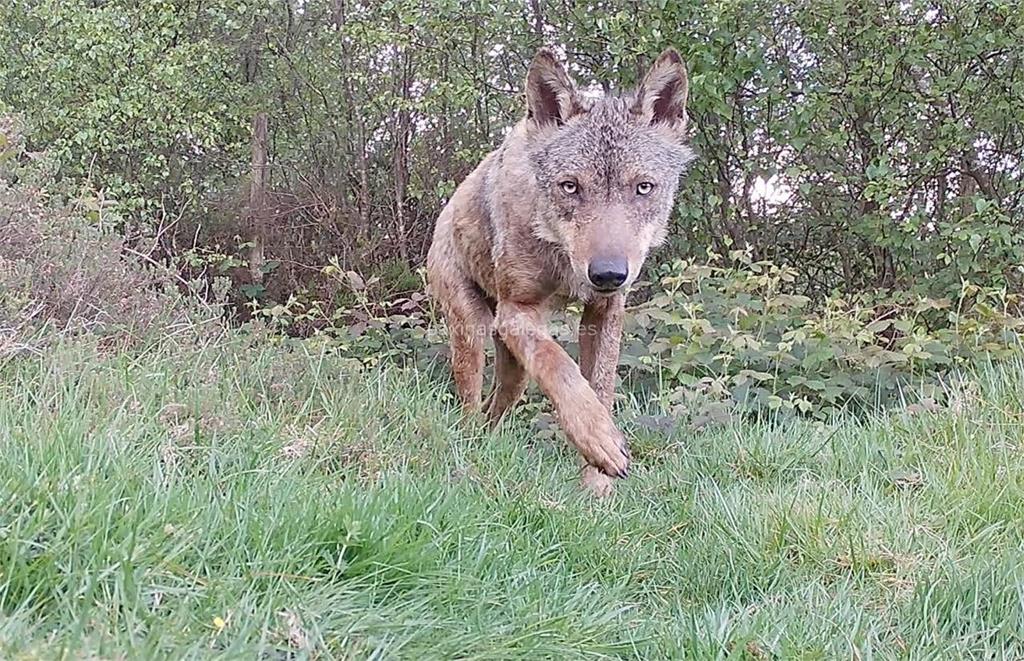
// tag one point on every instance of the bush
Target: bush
(64, 267)
(726, 336)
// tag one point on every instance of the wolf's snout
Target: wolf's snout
(608, 273)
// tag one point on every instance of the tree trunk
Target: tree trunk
(401, 154)
(538, 19)
(356, 130)
(257, 217)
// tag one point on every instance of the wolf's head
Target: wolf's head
(607, 169)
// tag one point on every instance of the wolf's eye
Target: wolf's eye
(644, 188)
(569, 187)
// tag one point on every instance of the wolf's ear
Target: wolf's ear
(661, 98)
(550, 95)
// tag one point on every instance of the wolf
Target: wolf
(566, 208)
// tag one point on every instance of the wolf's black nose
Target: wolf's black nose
(608, 273)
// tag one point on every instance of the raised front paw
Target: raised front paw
(603, 446)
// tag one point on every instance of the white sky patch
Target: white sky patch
(772, 191)
(995, 159)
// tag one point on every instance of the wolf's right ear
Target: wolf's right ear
(550, 95)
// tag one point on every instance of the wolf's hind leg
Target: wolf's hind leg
(510, 381)
(469, 320)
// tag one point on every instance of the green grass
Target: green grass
(239, 500)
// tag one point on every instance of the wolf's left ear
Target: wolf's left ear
(550, 96)
(661, 97)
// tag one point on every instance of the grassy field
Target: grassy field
(248, 501)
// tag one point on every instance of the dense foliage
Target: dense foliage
(852, 224)
(65, 270)
(868, 144)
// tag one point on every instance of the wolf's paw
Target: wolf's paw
(605, 447)
(599, 484)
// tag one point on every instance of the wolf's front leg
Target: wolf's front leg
(600, 338)
(584, 418)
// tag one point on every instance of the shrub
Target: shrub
(726, 335)
(64, 267)
(723, 337)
